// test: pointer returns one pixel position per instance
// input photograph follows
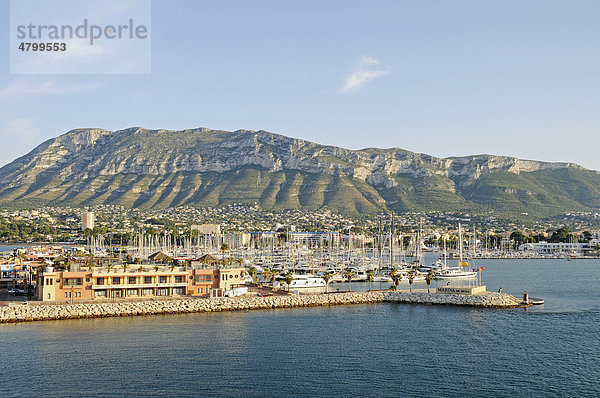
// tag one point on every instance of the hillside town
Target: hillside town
(111, 252)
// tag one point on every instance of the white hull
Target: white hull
(456, 275)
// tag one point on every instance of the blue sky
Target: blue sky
(518, 78)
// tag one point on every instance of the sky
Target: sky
(446, 78)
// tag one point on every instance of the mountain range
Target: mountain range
(153, 169)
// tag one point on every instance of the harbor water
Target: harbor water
(383, 350)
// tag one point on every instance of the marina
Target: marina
(362, 344)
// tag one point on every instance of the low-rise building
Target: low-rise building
(554, 248)
(143, 281)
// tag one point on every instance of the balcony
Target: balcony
(140, 285)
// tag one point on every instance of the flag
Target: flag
(463, 263)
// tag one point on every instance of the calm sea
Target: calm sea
(378, 350)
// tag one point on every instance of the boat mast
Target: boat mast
(392, 241)
(460, 244)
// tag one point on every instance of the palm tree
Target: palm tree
(327, 277)
(349, 274)
(289, 277)
(411, 279)
(156, 267)
(370, 276)
(266, 274)
(224, 248)
(252, 271)
(274, 274)
(429, 278)
(396, 278)
(395, 275)
(125, 267)
(141, 269)
(109, 267)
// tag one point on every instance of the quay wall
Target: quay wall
(25, 313)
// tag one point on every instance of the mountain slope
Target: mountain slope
(161, 168)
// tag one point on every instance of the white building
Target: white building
(552, 248)
(236, 240)
(87, 220)
(207, 229)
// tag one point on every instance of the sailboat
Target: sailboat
(446, 272)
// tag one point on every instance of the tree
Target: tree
(252, 271)
(224, 248)
(561, 235)
(370, 277)
(274, 274)
(411, 279)
(349, 274)
(266, 274)
(395, 275)
(327, 277)
(429, 278)
(289, 277)
(396, 278)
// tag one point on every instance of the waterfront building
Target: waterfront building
(137, 281)
(554, 248)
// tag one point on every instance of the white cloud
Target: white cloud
(367, 69)
(27, 88)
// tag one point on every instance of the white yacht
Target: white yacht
(442, 271)
(300, 282)
(454, 273)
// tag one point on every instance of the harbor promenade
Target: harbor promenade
(42, 312)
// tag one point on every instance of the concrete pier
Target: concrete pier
(41, 312)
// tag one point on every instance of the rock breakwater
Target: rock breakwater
(43, 312)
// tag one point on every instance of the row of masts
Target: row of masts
(387, 248)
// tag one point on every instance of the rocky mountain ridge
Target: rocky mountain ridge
(86, 166)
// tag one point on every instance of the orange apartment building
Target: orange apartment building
(144, 282)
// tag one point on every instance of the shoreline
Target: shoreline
(34, 313)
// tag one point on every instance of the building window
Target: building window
(100, 293)
(163, 291)
(131, 280)
(132, 292)
(178, 278)
(73, 281)
(178, 290)
(162, 279)
(147, 279)
(99, 281)
(147, 292)
(203, 278)
(116, 281)
(116, 293)
(66, 295)
(48, 296)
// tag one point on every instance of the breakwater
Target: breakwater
(43, 312)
